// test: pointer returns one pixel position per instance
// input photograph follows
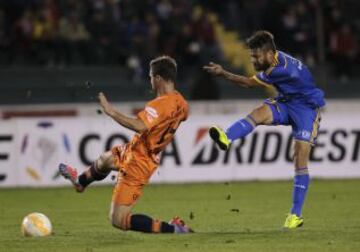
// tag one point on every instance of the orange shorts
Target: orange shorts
(128, 188)
(126, 192)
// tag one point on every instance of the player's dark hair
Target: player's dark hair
(261, 40)
(164, 66)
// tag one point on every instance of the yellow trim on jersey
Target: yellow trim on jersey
(276, 59)
(315, 126)
(260, 81)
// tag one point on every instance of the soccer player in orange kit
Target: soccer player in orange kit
(137, 160)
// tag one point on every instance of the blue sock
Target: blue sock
(240, 129)
(301, 184)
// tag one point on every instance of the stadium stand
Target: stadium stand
(65, 37)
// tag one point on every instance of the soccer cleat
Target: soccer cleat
(293, 221)
(180, 227)
(220, 138)
(71, 174)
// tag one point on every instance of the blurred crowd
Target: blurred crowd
(316, 31)
(130, 32)
(53, 32)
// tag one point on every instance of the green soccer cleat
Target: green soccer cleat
(292, 221)
(220, 138)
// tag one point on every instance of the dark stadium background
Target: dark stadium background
(56, 55)
(50, 48)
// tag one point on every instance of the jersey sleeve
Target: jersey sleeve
(272, 76)
(262, 78)
(152, 114)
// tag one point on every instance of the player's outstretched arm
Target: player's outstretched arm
(131, 123)
(218, 70)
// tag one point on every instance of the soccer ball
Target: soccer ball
(36, 224)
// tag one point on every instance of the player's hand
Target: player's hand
(105, 105)
(214, 69)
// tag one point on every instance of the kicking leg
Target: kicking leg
(97, 171)
(301, 184)
(241, 128)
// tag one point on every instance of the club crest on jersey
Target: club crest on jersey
(151, 113)
(304, 134)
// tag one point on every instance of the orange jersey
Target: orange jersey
(162, 116)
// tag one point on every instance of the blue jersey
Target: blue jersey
(293, 81)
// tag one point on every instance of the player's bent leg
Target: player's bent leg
(97, 171)
(262, 115)
(241, 128)
(120, 216)
(124, 198)
(301, 184)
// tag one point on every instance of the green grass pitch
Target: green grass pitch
(243, 216)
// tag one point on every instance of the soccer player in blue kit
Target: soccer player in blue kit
(297, 104)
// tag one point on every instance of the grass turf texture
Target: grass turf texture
(227, 217)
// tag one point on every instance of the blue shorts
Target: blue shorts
(304, 120)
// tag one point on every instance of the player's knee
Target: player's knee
(261, 115)
(118, 221)
(297, 159)
(256, 113)
(301, 155)
(120, 217)
(104, 161)
(102, 167)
